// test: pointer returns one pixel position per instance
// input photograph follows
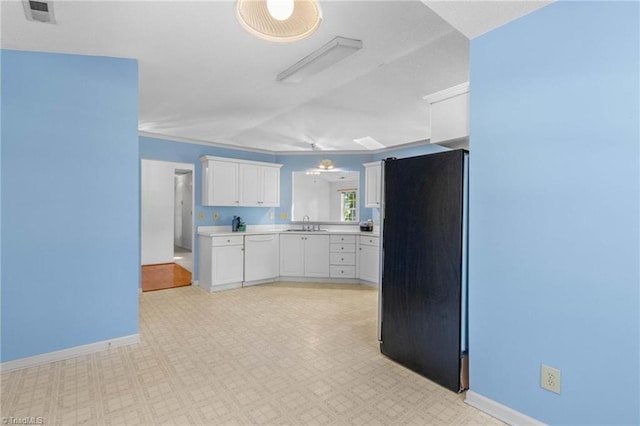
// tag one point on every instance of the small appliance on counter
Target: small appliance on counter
(367, 226)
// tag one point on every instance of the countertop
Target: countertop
(285, 232)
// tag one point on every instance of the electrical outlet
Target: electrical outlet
(201, 215)
(283, 215)
(550, 378)
(216, 216)
(272, 215)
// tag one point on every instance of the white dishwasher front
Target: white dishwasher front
(261, 258)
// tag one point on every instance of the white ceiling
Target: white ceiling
(203, 78)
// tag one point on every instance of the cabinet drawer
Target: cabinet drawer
(343, 248)
(370, 241)
(343, 239)
(343, 272)
(227, 241)
(343, 258)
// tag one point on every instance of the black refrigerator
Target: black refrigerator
(423, 294)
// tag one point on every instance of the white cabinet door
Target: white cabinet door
(372, 184)
(220, 183)
(449, 111)
(227, 264)
(369, 263)
(316, 256)
(292, 255)
(250, 188)
(270, 187)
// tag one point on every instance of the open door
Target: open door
(158, 223)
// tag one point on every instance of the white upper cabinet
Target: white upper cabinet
(449, 110)
(270, 187)
(219, 183)
(232, 182)
(249, 180)
(372, 184)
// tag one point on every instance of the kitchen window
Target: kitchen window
(348, 205)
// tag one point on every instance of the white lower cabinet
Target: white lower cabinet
(220, 262)
(227, 262)
(369, 259)
(303, 255)
(343, 256)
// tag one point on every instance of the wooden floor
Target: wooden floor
(167, 275)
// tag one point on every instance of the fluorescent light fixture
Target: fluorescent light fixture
(329, 54)
(369, 143)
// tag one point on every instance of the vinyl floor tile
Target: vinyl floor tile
(275, 354)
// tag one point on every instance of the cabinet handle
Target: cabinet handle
(228, 241)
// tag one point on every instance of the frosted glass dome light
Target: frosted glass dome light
(283, 21)
(280, 9)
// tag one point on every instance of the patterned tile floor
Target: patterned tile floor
(281, 353)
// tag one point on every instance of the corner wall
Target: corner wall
(70, 201)
(554, 213)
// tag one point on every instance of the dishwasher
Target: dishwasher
(261, 258)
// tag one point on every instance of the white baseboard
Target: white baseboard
(48, 357)
(222, 287)
(369, 283)
(499, 411)
(257, 282)
(319, 280)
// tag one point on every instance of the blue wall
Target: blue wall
(70, 201)
(554, 212)
(179, 152)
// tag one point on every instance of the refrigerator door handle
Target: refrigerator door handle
(381, 249)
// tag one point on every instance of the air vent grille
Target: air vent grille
(41, 11)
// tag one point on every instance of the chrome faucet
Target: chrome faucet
(305, 227)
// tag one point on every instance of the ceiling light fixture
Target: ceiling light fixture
(326, 164)
(280, 9)
(329, 54)
(279, 20)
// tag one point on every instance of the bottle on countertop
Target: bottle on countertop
(235, 224)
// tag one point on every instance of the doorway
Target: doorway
(183, 219)
(167, 232)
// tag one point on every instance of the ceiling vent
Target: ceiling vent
(41, 11)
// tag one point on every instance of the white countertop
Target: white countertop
(215, 231)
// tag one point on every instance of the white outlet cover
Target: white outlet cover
(550, 378)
